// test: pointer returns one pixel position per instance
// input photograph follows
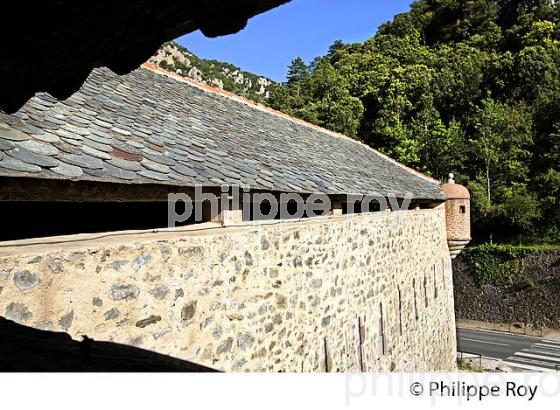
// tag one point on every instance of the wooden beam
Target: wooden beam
(46, 190)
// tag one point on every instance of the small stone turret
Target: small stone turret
(457, 216)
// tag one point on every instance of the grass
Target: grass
(539, 247)
(468, 366)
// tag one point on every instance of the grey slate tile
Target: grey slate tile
(102, 124)
(31, 129)
(99, 136)
(154, 175)
(154, 166)
(25, 155)
(80, 118)
(124, 164)
(119, 173)
(68, 148)
(81, 160)
(13, 135)
(75, 143)
(125, 148)
(68, 135)
(75, 130)
(95, 152)
(6, 145)
(180, 132)
(96, 173)
(178, 177)
(98, 146)
(67, 170)
(38, 147)
(121, 131)
(16, 165)
(184, 170)
(161, 159)
(135, 144)
(46, 137)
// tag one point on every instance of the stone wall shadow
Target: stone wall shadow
(25, 349)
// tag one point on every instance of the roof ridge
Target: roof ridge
(208, 88)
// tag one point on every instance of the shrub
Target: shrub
(497, 264)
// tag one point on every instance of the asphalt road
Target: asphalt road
(517, 351)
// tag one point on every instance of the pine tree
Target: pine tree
(297, 70)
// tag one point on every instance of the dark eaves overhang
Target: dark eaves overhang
(52, 45)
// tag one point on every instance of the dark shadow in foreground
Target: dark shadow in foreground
(26, 349)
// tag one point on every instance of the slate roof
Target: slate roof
(147, 127)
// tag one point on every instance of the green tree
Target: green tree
(500, 148)
(519, 208)
(335, 51)
(501, 143)
(332, 106)
(420, 89)
(297, 71)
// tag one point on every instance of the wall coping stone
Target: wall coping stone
(96, 240)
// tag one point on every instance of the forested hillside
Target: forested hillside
(464, 86)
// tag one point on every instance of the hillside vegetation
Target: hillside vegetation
(173, 57)
(464, 86)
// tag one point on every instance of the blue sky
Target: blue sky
(304, 28)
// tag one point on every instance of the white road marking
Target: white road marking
(536, 356)
(541, 351)
(483, 341)
(556, 342)
(535, 362)
(541, 355)
(553, 347)
(527, 367)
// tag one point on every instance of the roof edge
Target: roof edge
(208, 88)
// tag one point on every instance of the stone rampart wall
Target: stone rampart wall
(365, 292)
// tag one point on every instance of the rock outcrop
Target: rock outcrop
(173, 57)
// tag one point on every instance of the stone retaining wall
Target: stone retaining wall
(366, 292)
(529, 298)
